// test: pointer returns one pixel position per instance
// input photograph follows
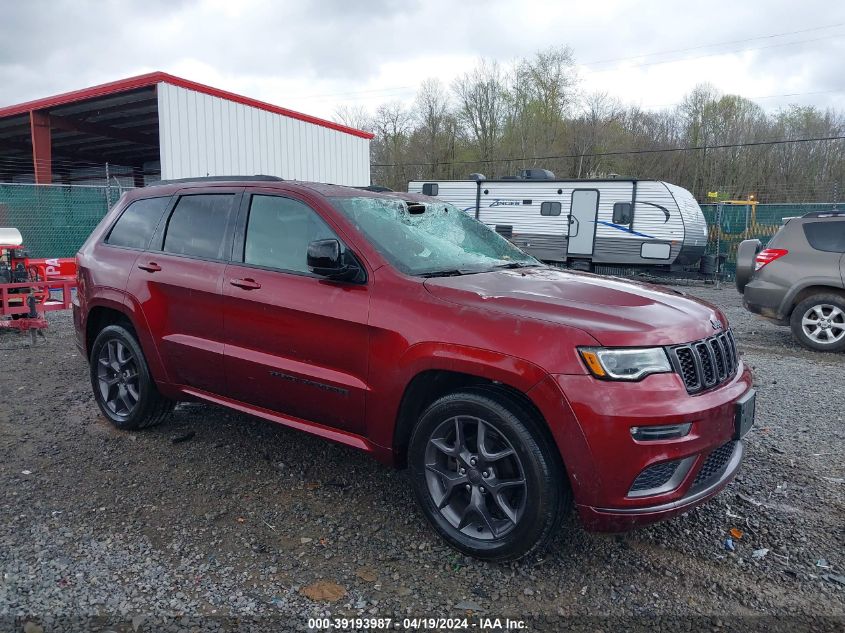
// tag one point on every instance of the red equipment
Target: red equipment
(31, 287)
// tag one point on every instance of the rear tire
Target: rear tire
(818, 323)
(497, 498)
(122, 384)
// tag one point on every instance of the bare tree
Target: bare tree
(392, 126)
(590, 132)
(529, 112)
(355, 116)
(436, 128)
(481, 105)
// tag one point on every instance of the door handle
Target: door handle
(150, 267)
(246, 284)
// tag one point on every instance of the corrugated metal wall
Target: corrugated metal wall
(202, 135)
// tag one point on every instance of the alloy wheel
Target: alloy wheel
(475, 478)
(824, 324)
(117, 378)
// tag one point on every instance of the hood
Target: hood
(616, 312)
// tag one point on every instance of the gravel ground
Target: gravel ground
(216, 520)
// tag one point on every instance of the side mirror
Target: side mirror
(327, 260)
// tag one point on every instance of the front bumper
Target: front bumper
(622, 519)
(603, 484)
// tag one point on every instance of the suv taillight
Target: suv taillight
(767, 256)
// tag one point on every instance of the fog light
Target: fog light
(664, 432)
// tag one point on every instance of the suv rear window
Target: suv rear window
(198, 224)
(826, 236)
(136, 225)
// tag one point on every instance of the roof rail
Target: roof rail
(375, 188)
(833, 213)
(259, 178)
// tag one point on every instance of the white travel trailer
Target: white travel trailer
(583, 222)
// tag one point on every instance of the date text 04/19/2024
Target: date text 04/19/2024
(418, 624)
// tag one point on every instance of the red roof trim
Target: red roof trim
(151, 79)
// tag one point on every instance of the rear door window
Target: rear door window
(826, 236)
(199, 226)
(136, 225)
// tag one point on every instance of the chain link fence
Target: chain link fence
(55, 220)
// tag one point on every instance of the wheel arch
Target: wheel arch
(101, 316)
(429, 385)
(808, 291)
(106, 312)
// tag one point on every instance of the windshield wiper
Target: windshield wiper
(455, 272)
(517, 265)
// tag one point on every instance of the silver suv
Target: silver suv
(797, 280)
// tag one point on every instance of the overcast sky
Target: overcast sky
(314, 56)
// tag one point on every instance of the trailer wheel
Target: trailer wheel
(745, 254)
(123, 387)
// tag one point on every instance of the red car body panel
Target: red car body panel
(183, 308)
(335, 359)
(616, 312)
(297, 345)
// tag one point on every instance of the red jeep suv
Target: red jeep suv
(401, 326)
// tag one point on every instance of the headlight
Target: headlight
(625, 363)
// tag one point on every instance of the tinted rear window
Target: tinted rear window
(826, 236)
(198, 226)
(137, 223)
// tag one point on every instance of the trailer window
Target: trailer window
(137, 223)
(623, 213)
(430, 189)
(550, 208)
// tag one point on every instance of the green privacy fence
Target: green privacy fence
(54, 220)
(746, 221)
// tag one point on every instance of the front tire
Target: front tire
(485, 477)
(818, 323)
(123, 387)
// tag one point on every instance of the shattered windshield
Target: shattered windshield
(431, 238)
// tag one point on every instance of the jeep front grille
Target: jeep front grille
(707, 363)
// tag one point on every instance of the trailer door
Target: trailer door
(582, 221)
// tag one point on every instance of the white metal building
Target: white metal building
(161, 126)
